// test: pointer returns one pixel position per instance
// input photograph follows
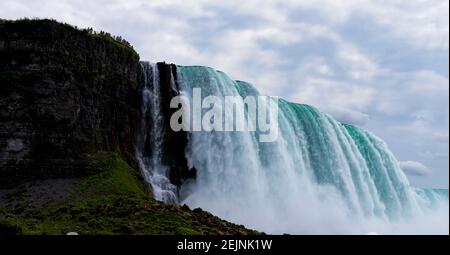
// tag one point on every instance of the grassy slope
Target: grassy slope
(114, 201)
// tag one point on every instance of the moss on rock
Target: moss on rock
(113, 201)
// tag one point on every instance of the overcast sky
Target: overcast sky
(382, 65)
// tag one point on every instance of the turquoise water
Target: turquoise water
(319, 176)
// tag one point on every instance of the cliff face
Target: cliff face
(174, 142)
(65, 94)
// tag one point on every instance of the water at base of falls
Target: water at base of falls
(319, 177)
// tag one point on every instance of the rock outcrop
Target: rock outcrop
(65, 93)
(174, 142)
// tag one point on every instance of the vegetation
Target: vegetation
(117, 41)
(114, 201)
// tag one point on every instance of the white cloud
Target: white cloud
(429, 83)
(414, 168)
(329, 93)
(348, 116)
(404, 93)
(423, 128)
(360, 66)
(432, 155)
(422, 23)
(315, 66)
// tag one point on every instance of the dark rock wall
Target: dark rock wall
(174, 142)
(64, 94)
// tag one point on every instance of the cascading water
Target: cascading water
(320, 176)
(150, 138)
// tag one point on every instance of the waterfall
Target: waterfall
(320, 176)
(150, 138)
